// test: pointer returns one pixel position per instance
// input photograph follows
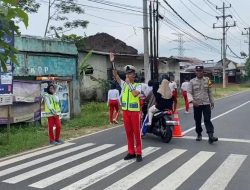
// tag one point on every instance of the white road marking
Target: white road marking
(56, 164)
(77, 169)
(191, 129)
(223, 175)
(32, 154)
(221, 139)
(43, 159)
(138, 175)
(174, 180)
(105, 172)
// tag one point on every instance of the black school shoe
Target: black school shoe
(129, 156)
(198, 138)
(211, 138)
(138, 158)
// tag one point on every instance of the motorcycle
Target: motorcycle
(162, 125)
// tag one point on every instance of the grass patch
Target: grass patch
(21, 138)
(93, 117)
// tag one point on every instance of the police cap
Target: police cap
(199, 67)
(129, 69)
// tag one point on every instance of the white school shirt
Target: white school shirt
(144, 88)
(185, 86)
(172, 86)
(113, 94)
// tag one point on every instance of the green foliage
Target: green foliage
(10, 14)
(73, 38)
(58, 13)
(29, 6)
(248, 67)
(84, 66)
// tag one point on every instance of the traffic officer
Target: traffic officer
(53, 112)
(131, 112)
(203, 102)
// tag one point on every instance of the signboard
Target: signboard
(6, 78)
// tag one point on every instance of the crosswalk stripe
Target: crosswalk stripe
(43, 159)
(222, 176)
(36, 153)
(77, 169)
(174, 180)
(105, 172)
(56, 164)
(138, 175)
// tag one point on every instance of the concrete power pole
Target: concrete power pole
(146, 46)
(248, 33)
(224, 27)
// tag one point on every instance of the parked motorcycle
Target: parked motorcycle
(162, 125)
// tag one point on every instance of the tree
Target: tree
(10, 14)
(73, 38)
(29, 6)
(248, 67)
(58, 12)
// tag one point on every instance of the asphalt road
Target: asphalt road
(96, 161)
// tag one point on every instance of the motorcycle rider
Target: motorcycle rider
(164, 100)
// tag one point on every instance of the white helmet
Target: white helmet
(129, 69)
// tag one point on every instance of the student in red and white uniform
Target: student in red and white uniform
(184, 87)
(173, 88)
(114, 104)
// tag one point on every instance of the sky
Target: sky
(126, 25)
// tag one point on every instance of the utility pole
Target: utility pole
(247, 33)
(146, 43)
(151, 42)
(224, 27)
(154, 38)
(155, 43)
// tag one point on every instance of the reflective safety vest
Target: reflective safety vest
(129, 102)
(54, 105)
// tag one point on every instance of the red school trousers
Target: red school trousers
(113, 105)
(54, 120)
(184, 94)
(175, 99)
(132, 122)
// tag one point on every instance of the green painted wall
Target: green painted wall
(44, 65)
(38, 44)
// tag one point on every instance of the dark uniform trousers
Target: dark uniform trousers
(206, 110)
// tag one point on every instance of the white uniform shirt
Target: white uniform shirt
(113, 94)
(172, 86)
(144, 90)
(185, 86)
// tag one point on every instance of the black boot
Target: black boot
(129, 156)
(211, 138)
(199, 137)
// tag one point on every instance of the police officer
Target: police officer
(203, 102)
(131, 112)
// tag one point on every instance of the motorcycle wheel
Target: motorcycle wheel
(166, 136)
